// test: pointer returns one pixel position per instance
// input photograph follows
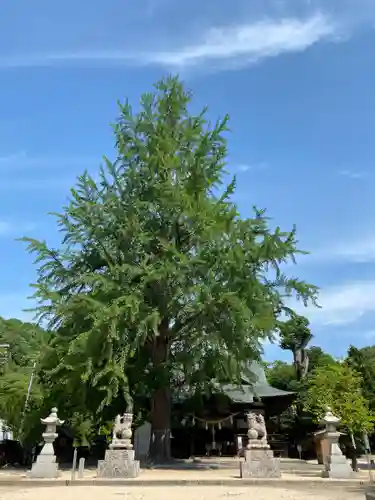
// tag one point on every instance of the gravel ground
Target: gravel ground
(318, 492)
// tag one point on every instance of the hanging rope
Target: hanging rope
(217, 422)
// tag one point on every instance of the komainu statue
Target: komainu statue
(257, 432)
(122, 433)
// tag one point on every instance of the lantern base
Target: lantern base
(45, 467)
(336, 465)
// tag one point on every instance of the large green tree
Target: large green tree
(156, 270)
(295, 335)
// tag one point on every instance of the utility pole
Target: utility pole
(29, 388)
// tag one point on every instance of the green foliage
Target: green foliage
(282, 376)
(27, 342)
(339, 387)
(318, 358)
(295, 334)
(157, 273)
(363, 361)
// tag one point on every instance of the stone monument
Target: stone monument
(259, 460)
(119, 460)
(81, 468)
(336, 465)
(142, 436)
(45, 466)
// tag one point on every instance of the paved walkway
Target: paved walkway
(183, 493)
(293, 471)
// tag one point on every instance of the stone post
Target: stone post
(119, 460)
(45, 466)
(81, 468)
(336, 465)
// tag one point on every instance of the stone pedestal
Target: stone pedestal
(119, 461)
(370, 494)
(45, 466)
(336, 465)
(259, 459)
(259, 462)
(118, 464)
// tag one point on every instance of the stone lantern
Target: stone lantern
(336, 465)
(45, 465)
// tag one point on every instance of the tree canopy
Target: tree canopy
(295, 334)
(363, 362)
(157, 272)
(339, 387)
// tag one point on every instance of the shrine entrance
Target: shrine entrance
(219, 427)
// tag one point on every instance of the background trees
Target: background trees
(363, 362)
(295, 334)
(27, 343)
(339, 387)
(157, 272)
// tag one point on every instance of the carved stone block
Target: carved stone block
(118, 464)
(260, 464)
(370, 494)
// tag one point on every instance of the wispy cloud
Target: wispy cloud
(353, 174)
(341, 305)
(250, 42)
(247, 167)
(42, 172)
(21, 160)
(10, 227)
(356, 249)
(235, 44)
(37, 184)
(361, 250)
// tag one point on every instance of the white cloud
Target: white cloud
(238, 43)
(22, 159)
(357, 250)
(251, 42)
(246, 167)
(341, 305)
(11, 228)
(360, 251)
(352, 174)
(60, 171)
(37, 184)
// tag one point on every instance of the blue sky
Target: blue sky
(296, 77)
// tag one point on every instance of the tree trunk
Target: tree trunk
(160, 446)
(355, 462)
